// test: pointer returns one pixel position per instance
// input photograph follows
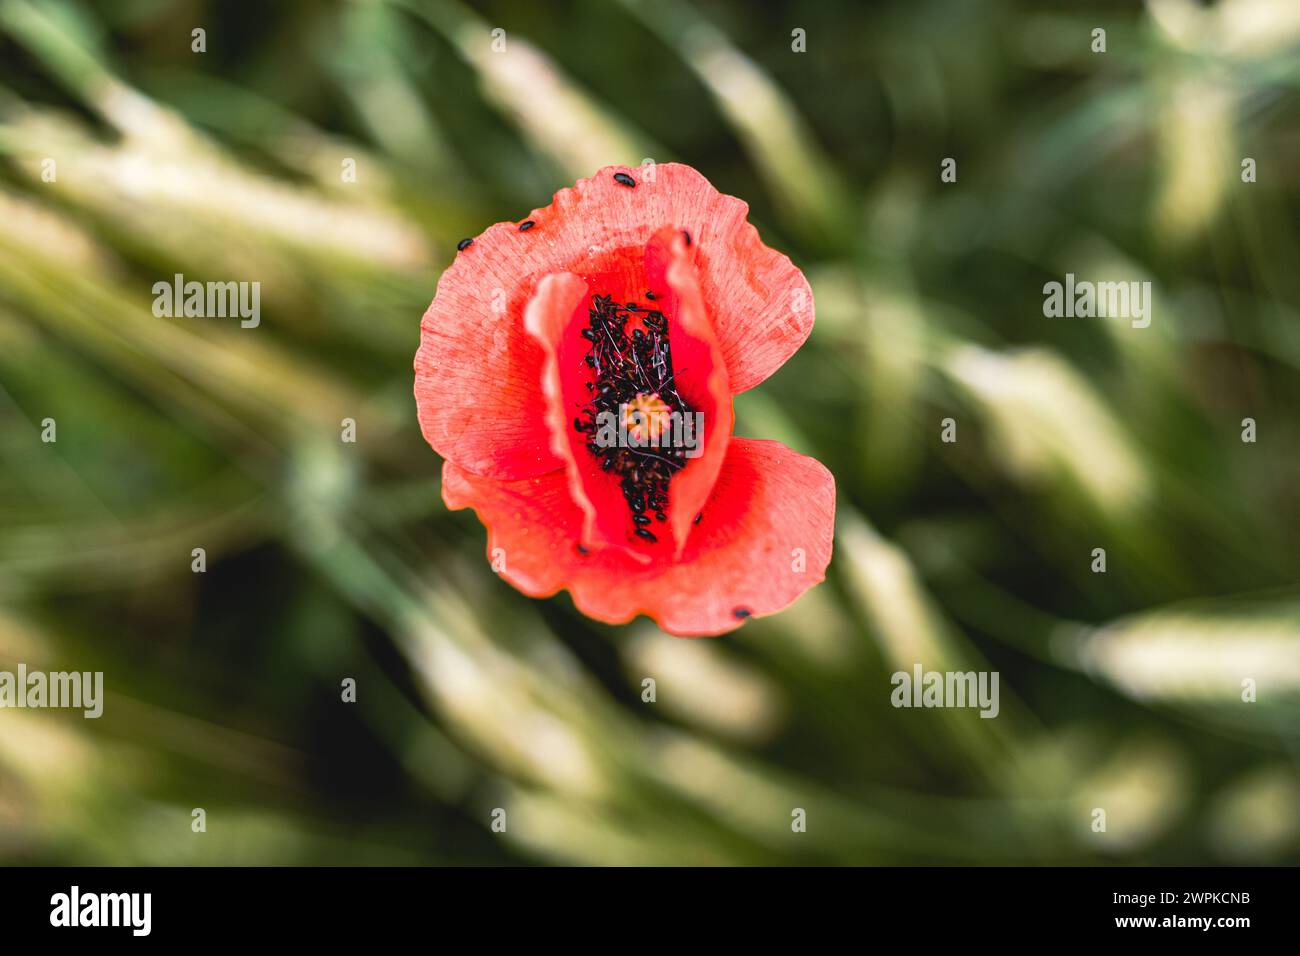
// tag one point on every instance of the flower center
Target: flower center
(646, 418)
(629, 421)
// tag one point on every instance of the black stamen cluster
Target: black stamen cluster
(628, 364)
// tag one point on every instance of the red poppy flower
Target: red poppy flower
(562, 365)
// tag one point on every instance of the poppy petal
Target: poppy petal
(764, 538)
(476, 381)
(472, 336)
(701, 375)
(555, 318)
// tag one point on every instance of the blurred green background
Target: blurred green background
(326, 560)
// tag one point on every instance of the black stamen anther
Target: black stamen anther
(623, 179)
(698, 517)
(464, 244)
(648, 535)
(582, 550)
(687, 235)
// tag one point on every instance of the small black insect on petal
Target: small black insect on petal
(526, 225)
(464, 244)
(623, 179)
(687, 234)
(698, 517)
(741, 613)
(582, 550)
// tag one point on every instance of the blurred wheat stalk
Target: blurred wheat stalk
(174, 434)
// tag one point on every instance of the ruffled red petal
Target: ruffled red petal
(764, 538)
(702, 375)
(477, 373)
